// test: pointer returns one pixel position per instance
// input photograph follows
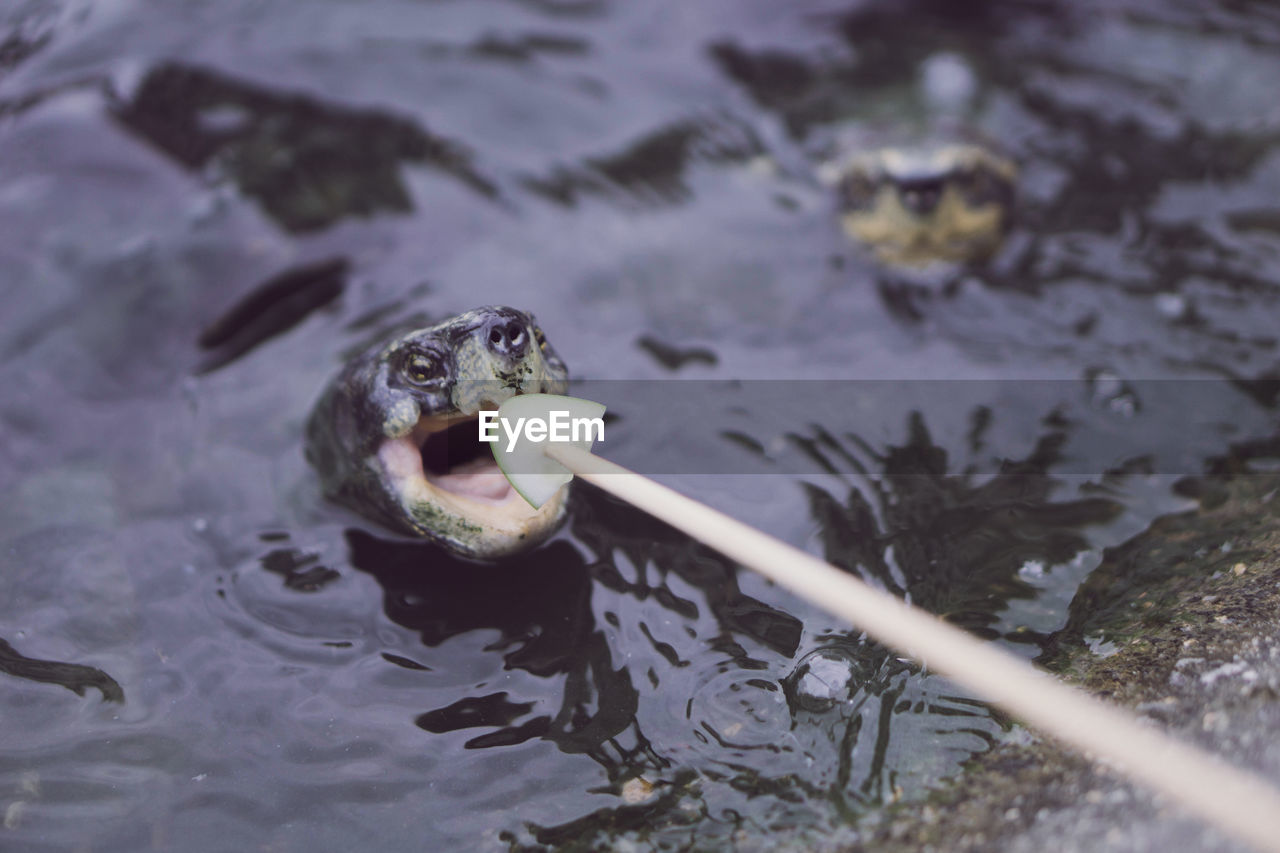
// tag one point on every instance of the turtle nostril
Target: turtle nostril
(515, 334)
(510, 340)
(921, 197)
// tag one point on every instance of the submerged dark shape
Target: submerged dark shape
(17, 45)
(651, 171)
(674, 357)
(275, 306)
(956, 546)
(300, 570)
(395, 434)
(590, 685)
(73, 676)
(889, 41)
(546, 627)
(615, 530)
(307, 162)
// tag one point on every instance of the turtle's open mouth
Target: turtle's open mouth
(443, 462)
(455, 460)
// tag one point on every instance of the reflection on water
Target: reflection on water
(29, 36)
(74, 677)
(935, 537)
(650, 659)
(308, 163)
(619, 534)
(270, 309)
(653, 170)
(539, 608)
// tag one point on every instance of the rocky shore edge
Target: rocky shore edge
(1180, 624)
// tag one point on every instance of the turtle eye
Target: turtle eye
(422, 368)
(856, 191)
(978, 185)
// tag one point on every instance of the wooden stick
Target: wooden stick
(1234, 800)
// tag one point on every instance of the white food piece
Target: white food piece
(533, 475)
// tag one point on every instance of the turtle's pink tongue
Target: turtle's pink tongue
(479, 478)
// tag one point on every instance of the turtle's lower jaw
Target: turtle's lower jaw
(451, 489)
(948, 232)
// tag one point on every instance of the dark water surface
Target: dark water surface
(204, 206)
